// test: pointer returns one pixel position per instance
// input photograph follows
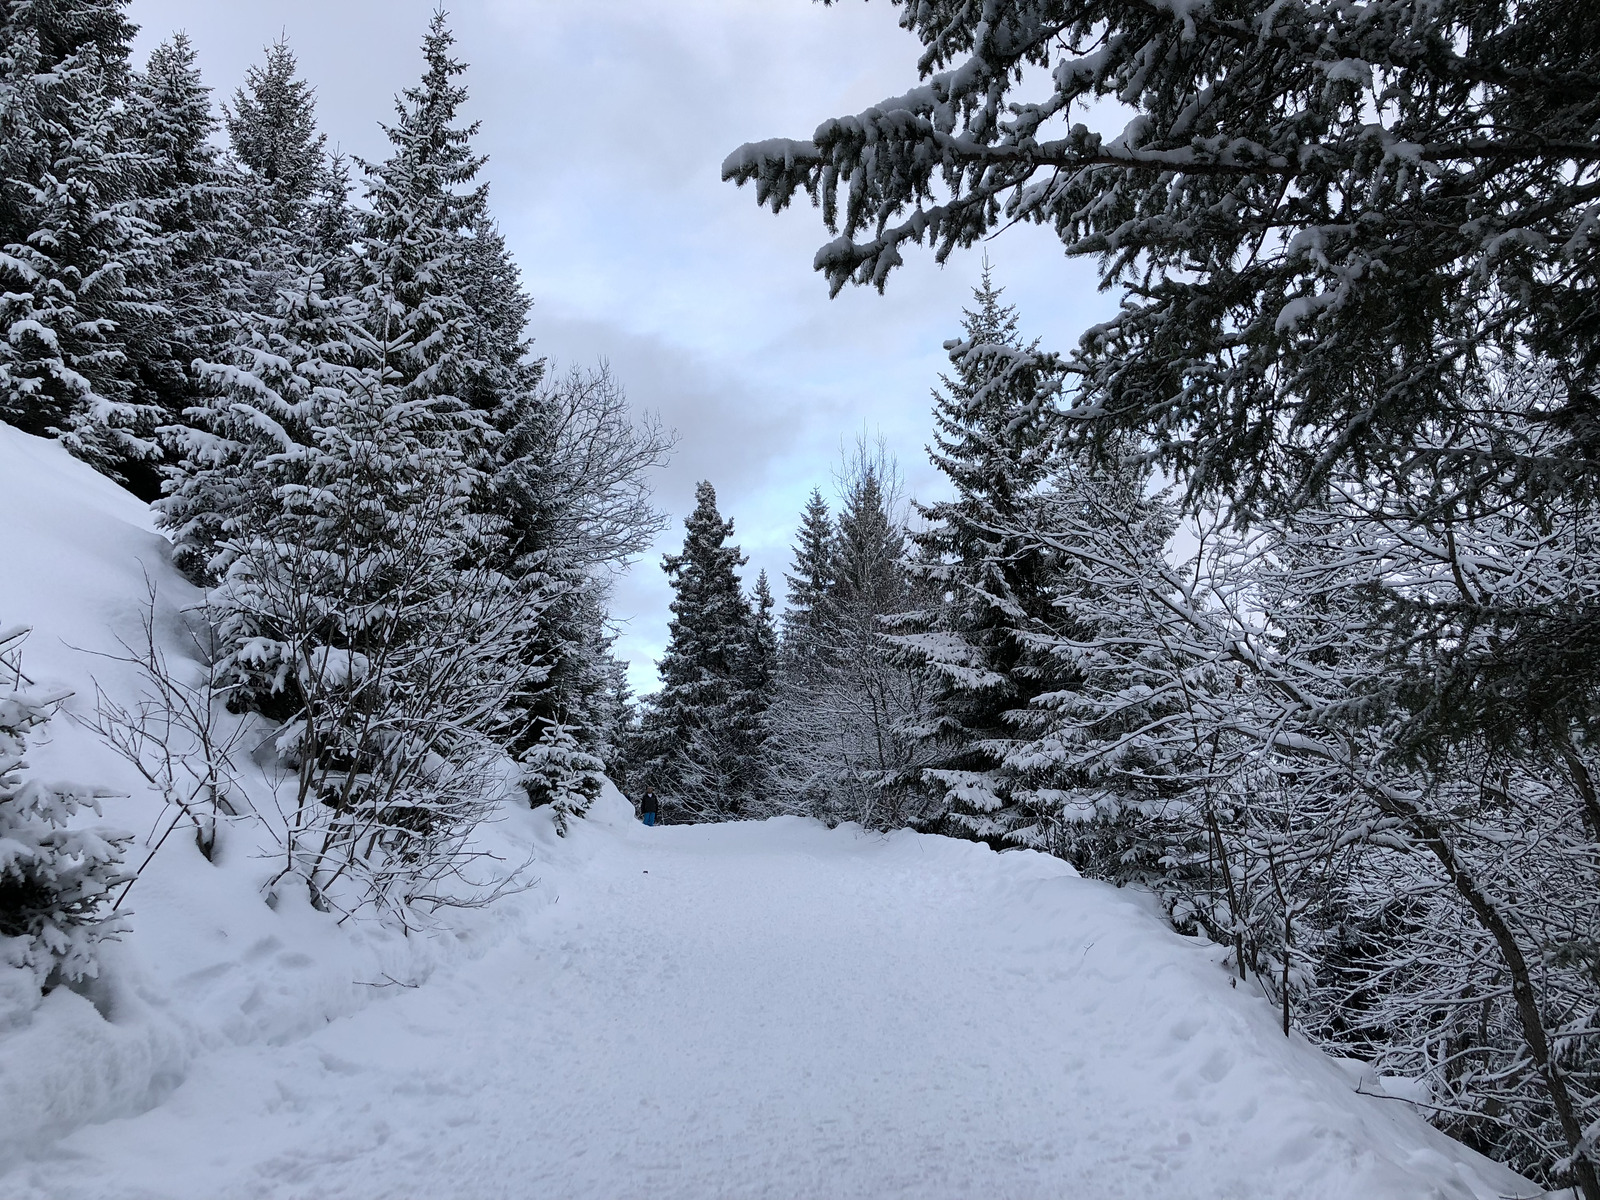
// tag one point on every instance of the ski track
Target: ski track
(776, 1010)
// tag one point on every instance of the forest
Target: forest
(1275, 597)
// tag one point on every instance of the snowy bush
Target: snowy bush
(55, 880)
(560, 773)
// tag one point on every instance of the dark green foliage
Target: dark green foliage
(699, 745)
(811, 578)
(1322, 216)
(78, 265)
(988, 587)
(272, 126)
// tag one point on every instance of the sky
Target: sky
(606, 123)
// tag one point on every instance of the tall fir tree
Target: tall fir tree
(423, 205)
(760, 680)
(272, 127)
(193, 204)
(809, 581)
(335, 415)
(700, 728)
(332, 493)
(988, 588)
(762, 655)
(78, 263)
(1086, 768)
(845, 709)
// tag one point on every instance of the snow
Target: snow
(777, 1010)
(757, 1009)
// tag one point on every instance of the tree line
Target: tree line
(319, 372)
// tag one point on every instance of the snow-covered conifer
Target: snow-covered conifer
(847, 714)
(1353, 322)
(762, 657)
(56, 875)
(1097, 768)
(423, 204)
(272, 127)
(331, 491)
(698, 729)
(77, 262)
(558, 772)
(809, 579)
(193, 202)
(987, 587)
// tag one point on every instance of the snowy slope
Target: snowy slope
(207, 964)
(739, 1011)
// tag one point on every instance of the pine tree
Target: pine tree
(845, 707)
(697, 733)
(331, 220)
(762, 655)
(560, 773)
(193, 203)
(423, 206)
(492, 288)
(1298, 299)
(809, 582)
(272, 127)
(1090, 769)
(77, 262)
(990, 588)
(758, 679)
(56, 875)
(264, 399)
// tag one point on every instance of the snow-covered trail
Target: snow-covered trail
(776, 1010)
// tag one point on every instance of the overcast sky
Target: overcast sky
(606, 123)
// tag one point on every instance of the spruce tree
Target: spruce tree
(1319, 263)
(759, 680)
(809, 581)
(272, 127)
(762, 655)
(846, 705)
(876, 701)
(56, 875)
(360, 598)
(697, 731)
(296, 329)
(423, 204)
(987, 588)
(78, 262)
(335, 417)
(1089, 768)
(557, 771)
(194, 204)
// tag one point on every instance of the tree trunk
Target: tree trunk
(1527, 1005)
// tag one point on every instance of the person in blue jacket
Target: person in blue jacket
(648, 807)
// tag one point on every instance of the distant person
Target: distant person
(648, 807)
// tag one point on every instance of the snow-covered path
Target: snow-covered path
(780, 1011)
